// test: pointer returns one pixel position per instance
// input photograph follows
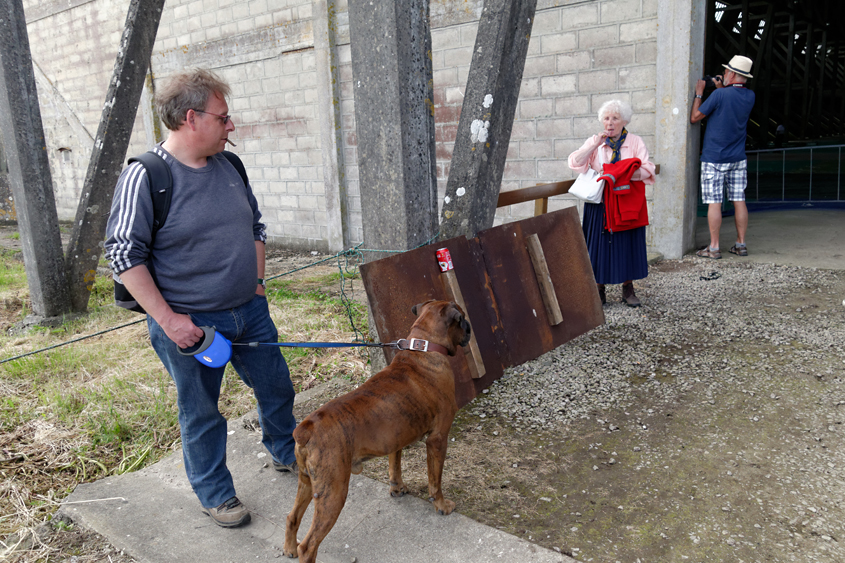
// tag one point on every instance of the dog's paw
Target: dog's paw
(397, 491)
(444, 507)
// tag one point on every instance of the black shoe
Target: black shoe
(290, 467)
(230, 514)
(629, 297)
(602, 294)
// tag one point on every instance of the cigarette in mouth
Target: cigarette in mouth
(230, 142)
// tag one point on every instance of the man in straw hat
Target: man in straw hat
(723, 161)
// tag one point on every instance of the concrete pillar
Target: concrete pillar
(328, 103)
(394, 116)
(110, 144)
(29, 168)
(484, 131)
(680, 63)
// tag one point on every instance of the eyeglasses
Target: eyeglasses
(225, 118)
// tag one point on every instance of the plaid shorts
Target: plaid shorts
(715, 178)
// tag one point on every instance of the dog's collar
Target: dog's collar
(420, 345)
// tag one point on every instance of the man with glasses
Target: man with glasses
(203, 267)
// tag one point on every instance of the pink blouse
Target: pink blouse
(582, 159)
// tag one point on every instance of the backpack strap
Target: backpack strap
(161, 186)
(239, 166)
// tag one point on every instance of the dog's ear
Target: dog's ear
(454, 314)
(417, 309)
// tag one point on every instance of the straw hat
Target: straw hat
(740, 65)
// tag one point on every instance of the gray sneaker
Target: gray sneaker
(290, 467)
(230, 514)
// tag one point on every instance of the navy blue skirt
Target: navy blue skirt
(616, 257)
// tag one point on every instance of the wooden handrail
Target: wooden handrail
(513, 197)
(540, 194)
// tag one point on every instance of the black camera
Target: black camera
(710, 84)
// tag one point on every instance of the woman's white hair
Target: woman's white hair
(620, 107)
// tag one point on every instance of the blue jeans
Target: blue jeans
(203, 428)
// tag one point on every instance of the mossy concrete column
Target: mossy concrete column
(680, 63)
(394, 120)
(29, 168)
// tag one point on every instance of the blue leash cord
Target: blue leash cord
(318, 344)
(215, 350)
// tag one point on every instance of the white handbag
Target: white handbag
(586, 186)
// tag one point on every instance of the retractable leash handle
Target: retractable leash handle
(214, 350)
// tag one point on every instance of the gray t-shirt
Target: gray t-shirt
(203, 258)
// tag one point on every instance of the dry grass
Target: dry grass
(105, 405)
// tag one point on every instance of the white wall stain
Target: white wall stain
(447, 200)
(488, 101)
(461, 191)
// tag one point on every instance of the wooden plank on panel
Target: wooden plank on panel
(474, 360)
(544, 279)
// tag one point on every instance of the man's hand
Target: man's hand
(700, 86)
(180, 329)
(717, 80)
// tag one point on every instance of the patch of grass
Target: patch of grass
(12, 273)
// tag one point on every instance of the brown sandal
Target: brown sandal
(707, 253)
(738, 250)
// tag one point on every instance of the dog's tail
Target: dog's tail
(302, 433)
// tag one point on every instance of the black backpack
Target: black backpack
(161, 190)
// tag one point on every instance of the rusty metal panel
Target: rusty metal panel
(502, 294)
(397, 283)
(516, 291)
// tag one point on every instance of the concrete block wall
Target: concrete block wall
(349, 142)
(264, 50)
(582, 53)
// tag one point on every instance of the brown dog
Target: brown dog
(412, 397)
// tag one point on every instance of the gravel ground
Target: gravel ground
(704, 426)
(681, 334)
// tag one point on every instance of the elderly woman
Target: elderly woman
(617, 257)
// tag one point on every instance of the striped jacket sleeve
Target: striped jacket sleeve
(129, 228)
